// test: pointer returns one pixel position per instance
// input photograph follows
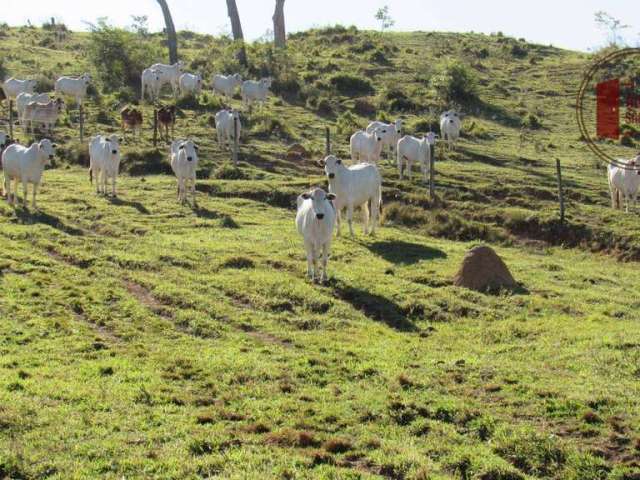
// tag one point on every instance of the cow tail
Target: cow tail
(90, 174)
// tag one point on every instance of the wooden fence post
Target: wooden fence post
(155, 126)
(81, 122)
(560, 191)
(432, 164)
(11, 119)
(235, 141)
(327, 142)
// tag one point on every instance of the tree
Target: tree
(172, 39)
(236, 28)
(279, 32)
(612, 26)
(383, 16)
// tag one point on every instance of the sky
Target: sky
(567, 24)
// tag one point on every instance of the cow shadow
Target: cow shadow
(128, 203)
(27, 217)
(374, 306)
(405, 253)
(202, 212)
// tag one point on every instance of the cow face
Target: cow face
(320, 202)
(190, 151)
(380, 134)
(86, 78)
(266, 82)
(59, 104)
(332, 166)
(114, 145)
(431, 137)
(46, 149)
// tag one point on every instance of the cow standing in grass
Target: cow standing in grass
(25, 165)
(450, 128)
(151, 84)
(169, 74)
(224, 127)
(12, 87)
(253, 91)
(45, 114)
(226, 85)
(366, 147)
(624, 181)
(23, 99)
(131, 120)
(391, 135)
(190, 84)
(356, 186)
(411, 149)
(184, 163)
(315, 220)
(75, 88)
(166, 119)
(104, 162)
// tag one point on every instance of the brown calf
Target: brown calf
(131, 120)
(166, 119)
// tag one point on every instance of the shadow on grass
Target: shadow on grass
(405, 253)
(373, 306)
(27, 217)
(202, 212)
(128, 203)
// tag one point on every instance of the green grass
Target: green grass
(144, 339)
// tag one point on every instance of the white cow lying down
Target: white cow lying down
(356, 186)
(104, 161)
(184, 163)
(315, 220)
(624, 182)
(25, 165)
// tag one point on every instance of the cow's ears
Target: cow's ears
(196, 147)
(54, 145)
(121, 139)
(338, 162)
(306, 196)
(331, 196)
(321, 163)
(181, 147)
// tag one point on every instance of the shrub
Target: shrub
(287, 86)
(455, 82)
(396, 100)
(531, 121)
(226, 171)
(266, 125)
(347, 84)
(364, 108)
(119, 56)
(519, 51)
(347, 123)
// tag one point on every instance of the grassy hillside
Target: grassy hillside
(143, 339)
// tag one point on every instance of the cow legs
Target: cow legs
(326, 250)
(338, 221)
(374, 213)
(350, 218)
(310, 259)
(366, 215)
(35, 191)
(25, 191)
(113, 186)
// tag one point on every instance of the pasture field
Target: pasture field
(140, 338)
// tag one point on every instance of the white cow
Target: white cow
(190, 84)
(226, 85)
(355, 186)
(253, 91)
(411, 149)
(151, 84)
(75, 88)
(13, 87)
(624, 182)
(224, 126)
(169, 74)
(24, 98)
(392, 133)
(366, 147)
(104, 162)
(44, 113)
(25, 165)
(316, 220)
(450, 128)
(184, 163)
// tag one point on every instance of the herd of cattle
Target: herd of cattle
(318, 212)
